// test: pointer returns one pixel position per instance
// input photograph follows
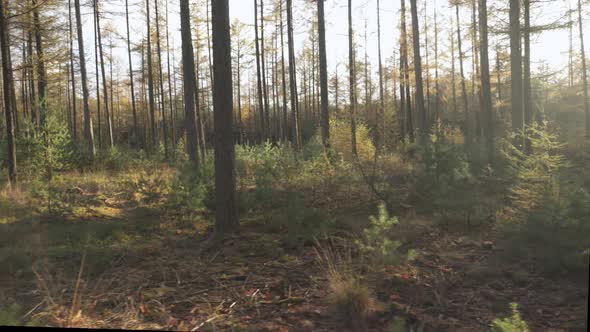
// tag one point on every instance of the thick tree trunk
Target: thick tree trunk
(485, 80)
(97, 72)
(263, 69)
(41, 73)
(188, 70)
(467, 121)
(161, 80)
(516, 68)
(152, 102)
(584, 71)
(402, 94)
(170, 101)
(423, 130)
(107, 114)
(453, 71)
(408, 98)
(261, 108)
(283, 78)
(7, 87)
(226, 211)
(527, 89)
(325, 115)
(88, 132)
(32, 94)
(293, 77)
(73, 76)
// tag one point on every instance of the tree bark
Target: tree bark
(189, 79)
(152, 102)
(7, 85)
(352, 78)
(87, 117)
(41, 73)
(263, 69)
(170, 101)
(73, 76)
(107, 114)
(261, 107)
(467, 120)
(516, 69)
(527, 89)
(283, 79)
(408, 98)
(584, 71)
(380, 129)
(485, 80)
(97, 72)
(293, 77)
(423, 130)
(226, 211)
(161, 80)
(325, 115)
(133, 106)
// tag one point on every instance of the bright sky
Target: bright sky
(550, 46)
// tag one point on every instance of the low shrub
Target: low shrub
(513, 323)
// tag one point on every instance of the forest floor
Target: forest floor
(118, 259)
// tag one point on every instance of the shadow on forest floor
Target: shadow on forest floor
(112, 263)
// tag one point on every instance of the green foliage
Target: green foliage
(192, 190)
(535, 174)
(341, 140)
(444, 182)
(514, 323)
(547, 218)
(376, 243)
(298, 223)
(40, 154)
(10, 315)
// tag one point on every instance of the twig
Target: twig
(205, 322)
(35, 308)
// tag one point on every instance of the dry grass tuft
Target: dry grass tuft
(349, 295)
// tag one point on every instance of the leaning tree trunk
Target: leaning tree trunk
(87, 117)
(225, 178)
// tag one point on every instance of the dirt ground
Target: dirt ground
(250, 282)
